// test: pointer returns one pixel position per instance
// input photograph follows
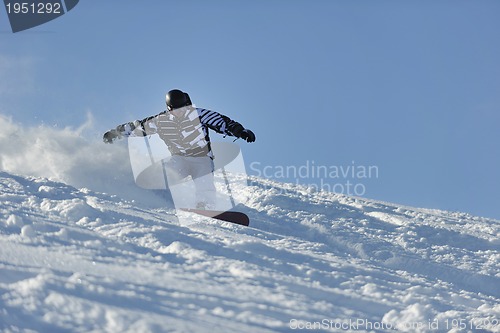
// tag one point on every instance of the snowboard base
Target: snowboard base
(227, 216)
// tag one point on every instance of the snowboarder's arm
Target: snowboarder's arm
(139, 128)
(224, 125)
(142, 127)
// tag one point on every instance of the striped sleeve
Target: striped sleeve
(144, 127)
(217, 122)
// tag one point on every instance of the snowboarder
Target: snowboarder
(184, 129)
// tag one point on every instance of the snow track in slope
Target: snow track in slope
(75, 259)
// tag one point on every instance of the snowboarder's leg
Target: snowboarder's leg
(176, 169)
(203, 178)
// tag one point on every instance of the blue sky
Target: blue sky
(412, 87)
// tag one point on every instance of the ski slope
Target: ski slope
(81, 251)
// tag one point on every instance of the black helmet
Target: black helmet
(177, 99)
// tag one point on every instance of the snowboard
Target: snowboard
(227, 216)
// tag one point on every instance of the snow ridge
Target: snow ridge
(79, 260)
(83, 249)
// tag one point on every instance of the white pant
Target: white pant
(177, 168)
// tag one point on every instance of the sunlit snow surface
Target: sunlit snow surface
(77, 260)
(84, 249)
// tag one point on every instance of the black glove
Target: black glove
(110, 136)
(247, 135)
(236, 129)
